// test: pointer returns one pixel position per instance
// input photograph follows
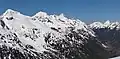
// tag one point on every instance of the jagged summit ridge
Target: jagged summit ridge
(44, 36)
(11, 16)
(106, 24)
(57, 24)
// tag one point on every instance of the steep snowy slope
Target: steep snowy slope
(44, 36)
(25, 28)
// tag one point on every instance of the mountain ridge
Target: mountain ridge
(50, 37)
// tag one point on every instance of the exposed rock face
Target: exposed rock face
(47, 37)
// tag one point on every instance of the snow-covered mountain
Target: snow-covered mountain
(109, 34)
(107, 24)
(44, 36)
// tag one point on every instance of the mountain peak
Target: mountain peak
(62, 16)
(10, 12)
(107, 22)
(41, 14)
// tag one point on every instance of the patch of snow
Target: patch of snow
(104, 45)
(115, 58)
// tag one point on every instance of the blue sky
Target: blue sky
(86, 10)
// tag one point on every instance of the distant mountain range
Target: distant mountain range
(44, 36)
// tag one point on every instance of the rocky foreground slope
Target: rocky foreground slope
(44, 36)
